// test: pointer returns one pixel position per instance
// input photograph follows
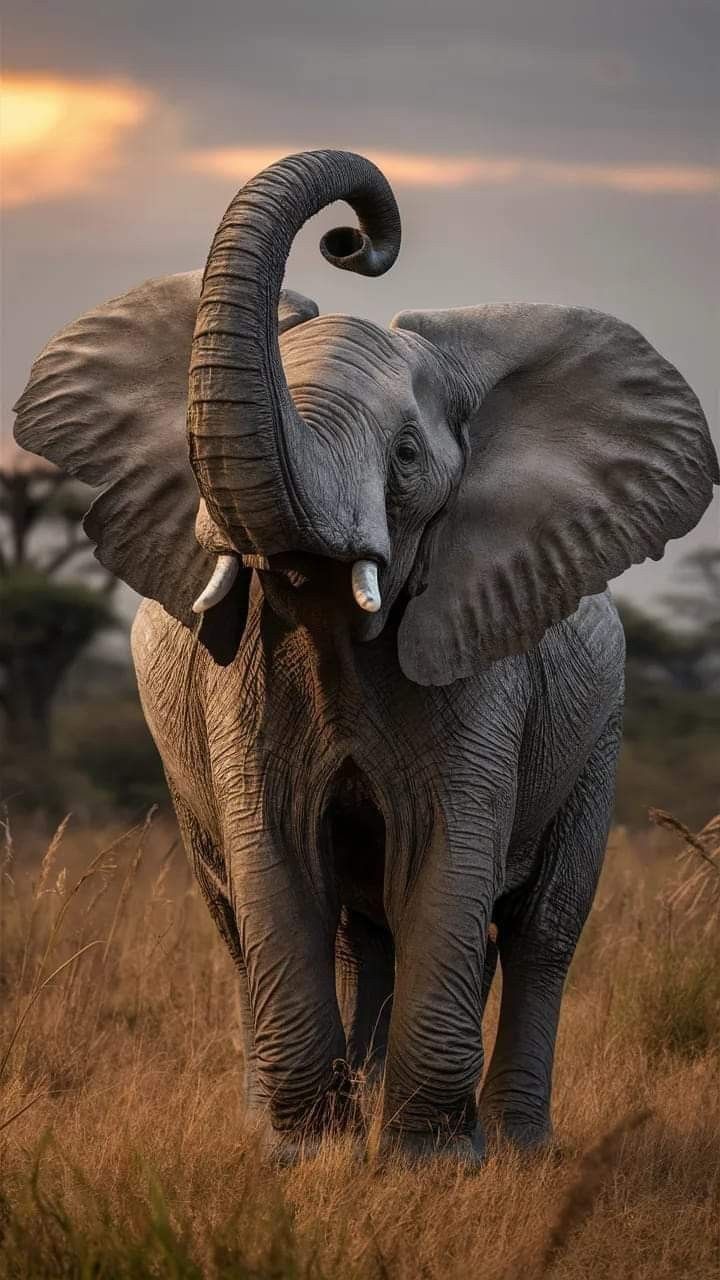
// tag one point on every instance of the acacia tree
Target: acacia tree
(54, 597)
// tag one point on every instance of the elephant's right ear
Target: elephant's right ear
(106, 401)
(587, 452)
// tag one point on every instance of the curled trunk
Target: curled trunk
(240, 412)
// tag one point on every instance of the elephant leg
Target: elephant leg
(255, 1097)
(538, 931)
(435, 1054)
(287, 936)
(365, 969)
(209, 870)
(490, 965)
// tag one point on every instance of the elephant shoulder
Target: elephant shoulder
(596, 624)
(154, 635)
(587, 650)
(162, 652)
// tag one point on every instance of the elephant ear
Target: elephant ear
(294, 308)
(587, 452)
(106, 401)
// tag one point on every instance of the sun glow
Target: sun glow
(57, 136)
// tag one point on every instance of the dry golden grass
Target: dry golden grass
(123, 1148)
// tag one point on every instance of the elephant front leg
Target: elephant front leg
(207, 862)
(435, 1054)
(538, 932)
(287, 932)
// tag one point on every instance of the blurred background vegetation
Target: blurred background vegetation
(72, 735)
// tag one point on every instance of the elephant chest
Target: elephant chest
(353, 762)
(384, 764)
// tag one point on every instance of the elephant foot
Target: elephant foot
(466, 1150)
(286, 1150)
(528, 1134)
(333, 1116)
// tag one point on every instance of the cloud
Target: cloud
(59, 136)
(643, 179)
(411, 169)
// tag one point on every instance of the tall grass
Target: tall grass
(123, 1146)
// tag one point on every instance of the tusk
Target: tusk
(223, 576)
(365, 585)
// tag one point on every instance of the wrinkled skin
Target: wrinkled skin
(317, 788)
(361, 793)
(337, 814)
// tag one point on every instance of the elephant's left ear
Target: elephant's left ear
(588, 451)
(106, 401)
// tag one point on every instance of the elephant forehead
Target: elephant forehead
(349, 362)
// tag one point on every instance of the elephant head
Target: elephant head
(478, 470)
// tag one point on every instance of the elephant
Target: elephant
(376, 650)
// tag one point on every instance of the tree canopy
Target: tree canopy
(54, 598)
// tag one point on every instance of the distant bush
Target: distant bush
(108, 742)
(671, 749)
(671, 741)
(53, 598)
(101, 761)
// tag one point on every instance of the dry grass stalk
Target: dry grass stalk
(48, 860)
(128, 881)
(37, 990)
(696, 842)
(21, 1111)
(40, 889)
(8, 854)
(696, 888)
(39, 982)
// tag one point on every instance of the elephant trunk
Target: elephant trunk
(241, 416)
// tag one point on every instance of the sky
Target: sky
(540, 150)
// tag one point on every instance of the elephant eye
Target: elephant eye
(406, 449)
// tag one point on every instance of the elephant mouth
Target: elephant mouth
(256, 562)
(320, 591)
(308, 588)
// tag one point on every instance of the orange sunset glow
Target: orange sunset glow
(58, 136)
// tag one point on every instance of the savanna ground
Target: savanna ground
(123, 1147)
